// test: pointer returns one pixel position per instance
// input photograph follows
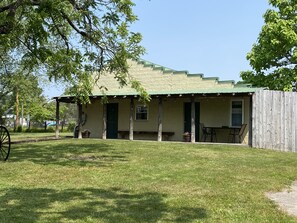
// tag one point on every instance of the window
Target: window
(141, 112)
(237, 113)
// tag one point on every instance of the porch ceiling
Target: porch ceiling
(205, 93)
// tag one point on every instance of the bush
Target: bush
(50, 129)
(41, 130)
(71, 126)
(19, 128)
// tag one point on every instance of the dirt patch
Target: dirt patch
(286, 199)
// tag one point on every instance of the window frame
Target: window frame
(147, 113)
(231, 112)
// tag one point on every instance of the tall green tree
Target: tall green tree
(274, 56)
(26, 93)
(41, 111)
(6, 86)
(70, 39)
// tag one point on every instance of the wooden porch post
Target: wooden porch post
(131, 124)
(251, 122)
(160, 116)
(193, 126)
(79, 106)
(104, 121)
(57, 117)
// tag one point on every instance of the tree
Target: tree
(68, 114)
(70, 39)
(6, 89)
(274, 56)
(41, 111)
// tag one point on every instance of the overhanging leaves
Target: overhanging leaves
(70, 39)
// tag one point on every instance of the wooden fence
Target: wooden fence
(274, 120)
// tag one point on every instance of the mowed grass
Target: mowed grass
(92, 180)
(17, 136)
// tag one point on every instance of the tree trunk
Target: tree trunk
(17, 123)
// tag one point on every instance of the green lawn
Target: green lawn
(121, 181)
(16, 136)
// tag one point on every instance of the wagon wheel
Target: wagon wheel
(4, 143)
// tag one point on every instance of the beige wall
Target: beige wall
(213, 112)
(94, 113)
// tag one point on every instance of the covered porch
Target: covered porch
(168, 117)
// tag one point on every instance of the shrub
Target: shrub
(50, 129)
(19, 128)
(71, 126)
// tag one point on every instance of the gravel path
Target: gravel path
(287, 199)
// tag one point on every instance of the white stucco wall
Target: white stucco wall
(215, 112)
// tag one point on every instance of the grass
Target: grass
(16, 136)
(121, 181)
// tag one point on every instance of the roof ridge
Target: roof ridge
(166, 70)
(195, 75)
(155, 66)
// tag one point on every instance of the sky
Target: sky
(211, 37)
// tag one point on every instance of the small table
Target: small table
(213, 132)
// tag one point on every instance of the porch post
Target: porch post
(160, 114)
(193, 127)
(57, 117)
(131, 124)
(251, 122)
(79, 108)
(104, 121)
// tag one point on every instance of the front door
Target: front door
(187, 118)
(112, 121)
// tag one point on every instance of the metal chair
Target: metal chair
(207, 132)
(237, 133)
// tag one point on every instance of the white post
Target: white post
(193, 124)
(104, 121)
(79, 106)
(131, 124)
(160, 113)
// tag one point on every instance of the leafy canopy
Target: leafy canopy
(70, 39)
(274, 56)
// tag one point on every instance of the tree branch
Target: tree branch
(7, 27)
(60, 33)
(82, 33)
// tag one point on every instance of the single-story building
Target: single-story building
(181, 105)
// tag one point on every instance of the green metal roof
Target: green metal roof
(185, 92)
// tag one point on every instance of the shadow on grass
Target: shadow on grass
(90, 205)
(75, 153)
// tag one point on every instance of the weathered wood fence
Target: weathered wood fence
(274, 122)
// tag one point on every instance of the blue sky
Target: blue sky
(201, 36)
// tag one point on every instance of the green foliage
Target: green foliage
(17, 84)
(19, 128)
(71, 126)
(41, 130)
(69, 39)
(6, 85)
(144, 96)
(50, 129)
(41, 110)
(274, 55)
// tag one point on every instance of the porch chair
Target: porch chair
(237, 133)
(207, 132)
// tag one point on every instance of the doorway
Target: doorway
(112, 111)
